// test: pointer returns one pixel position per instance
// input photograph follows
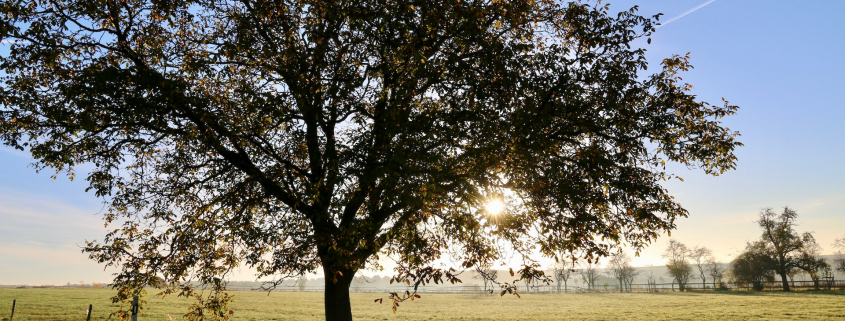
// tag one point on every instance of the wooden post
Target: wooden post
(88, 318)
(14, 302)
(135, 308)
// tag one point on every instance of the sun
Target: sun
(495, 206)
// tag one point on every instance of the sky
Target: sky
(780, 61)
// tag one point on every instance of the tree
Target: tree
(809, 259)
(701, 257)
(677, 262)
(589, 272)
(357, 282)
(620, 267)
(301, 282)
(839, 261)
(488, 275)
(562, 271)
(650, 278)
(629, 278)
(753, 266)
(527, 282)
(783, 244)
(716, 271)
(791, 274)
(294, 136)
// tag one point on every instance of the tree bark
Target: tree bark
(336, 295)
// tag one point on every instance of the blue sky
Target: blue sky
(780, 61)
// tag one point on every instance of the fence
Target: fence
(654, 287)
(134, 316)
(829, 284)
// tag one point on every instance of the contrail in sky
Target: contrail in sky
(685, 13)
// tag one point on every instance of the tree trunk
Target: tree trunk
(336, 295)
(783, 278)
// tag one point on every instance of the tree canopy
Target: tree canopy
(783, 244)
(677, 257)
(753, 267)
(291, 136)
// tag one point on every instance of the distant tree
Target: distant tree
(589, 272)
(678, 263)
(815, 267)
(527, 282)
(488, 276)
(810, 260)
(792, 273)
(839, 261)
(716, 271)
(629, 278)
(301, 282)
(621, 269)
(701, 257)
(753, 266)
(562, 271)
(783, 243)
(363, 281)
(357, 282)
(295, 136)
(650, 278)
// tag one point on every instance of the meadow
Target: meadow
(71, 304)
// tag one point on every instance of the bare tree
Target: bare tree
(716, 271)
(562, 271)
(677, 256)
(301, 282)
(589, 273)
(839, 261)
(650, 278)
(620, 267)
(488, 275)
(629, 278)
(700, 256)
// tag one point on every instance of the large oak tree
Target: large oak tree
(291, 136)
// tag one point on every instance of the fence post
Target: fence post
(135, 308)
(14, 302)
(88, 318)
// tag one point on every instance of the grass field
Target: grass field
(71, 304)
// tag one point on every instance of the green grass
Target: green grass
(70, 304)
